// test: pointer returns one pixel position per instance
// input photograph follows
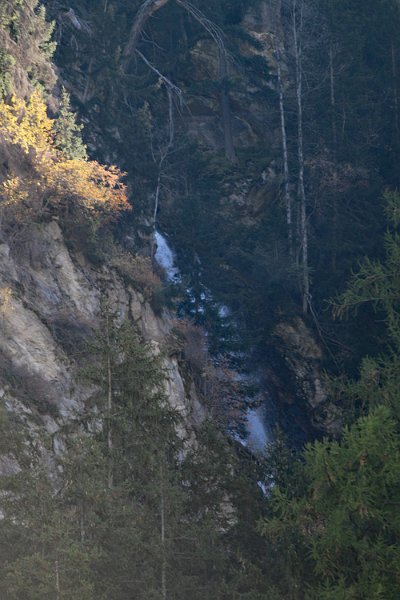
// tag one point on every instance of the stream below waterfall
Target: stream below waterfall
(257, 433)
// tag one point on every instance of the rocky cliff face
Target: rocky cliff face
(50, 307)
(235, 208)
(301, 381)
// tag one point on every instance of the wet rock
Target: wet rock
(300, 379)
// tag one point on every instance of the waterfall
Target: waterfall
(257, 435)
(166, 257)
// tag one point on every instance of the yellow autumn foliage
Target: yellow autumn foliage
(95, 186)
(14, 191)
(26, 124)
(53, 181)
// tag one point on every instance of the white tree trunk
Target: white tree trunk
(286, 173)
(164, 152)
(334, 151)
(395, 93)
(297, 34)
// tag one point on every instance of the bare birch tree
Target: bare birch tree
(278, 45)
(164, 152)
(297, 26)
(285, 153)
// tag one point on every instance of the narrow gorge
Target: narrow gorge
(199, 300)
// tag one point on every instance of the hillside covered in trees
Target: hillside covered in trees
(199, 300)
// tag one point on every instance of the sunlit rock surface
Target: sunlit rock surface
(50, 306)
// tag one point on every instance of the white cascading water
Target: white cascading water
(165, 257)
(257, 434)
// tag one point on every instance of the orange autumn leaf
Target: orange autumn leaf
(95, 186)
(54, 180)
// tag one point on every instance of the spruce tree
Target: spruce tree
(68, 132)
(340, 524)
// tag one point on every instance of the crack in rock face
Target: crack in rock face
(50, 305)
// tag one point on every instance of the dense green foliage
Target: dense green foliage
(26, 46)
(338, 511)
(338, 533)
(68, 132)
(126, 511)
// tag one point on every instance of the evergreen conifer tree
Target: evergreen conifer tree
(344, 517)
(68, 132)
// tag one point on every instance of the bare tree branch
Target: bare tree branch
(171, 86)
(164, 152)
(215, 32)
(147, 9)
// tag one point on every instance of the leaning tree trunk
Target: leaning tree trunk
(147, 10)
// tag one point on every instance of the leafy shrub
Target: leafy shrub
(138, 271)
(52, 182)
(190, 342)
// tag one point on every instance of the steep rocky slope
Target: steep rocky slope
(50, 310)
(161, 120)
